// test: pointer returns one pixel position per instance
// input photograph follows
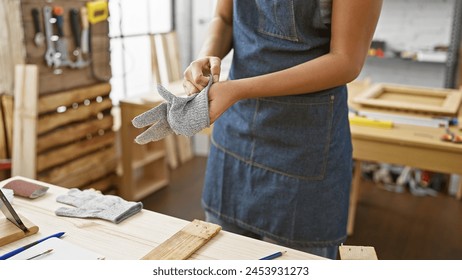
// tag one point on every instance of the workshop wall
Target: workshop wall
(411, 26)
(74, 145)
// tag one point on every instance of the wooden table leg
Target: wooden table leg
(459, 189)
(354, 194)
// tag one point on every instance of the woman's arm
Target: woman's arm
(215, 47)
(353, 25)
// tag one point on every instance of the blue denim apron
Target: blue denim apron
(281, 166)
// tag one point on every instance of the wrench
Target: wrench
(61, 43)
(51, 56)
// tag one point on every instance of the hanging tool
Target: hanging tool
(51, 56)
(76, 32)
(85, 35)
(61, 43)
(39, 38)
(97, 11)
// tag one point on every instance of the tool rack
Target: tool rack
(74, 143)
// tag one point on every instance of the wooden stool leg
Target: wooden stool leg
(354, 194)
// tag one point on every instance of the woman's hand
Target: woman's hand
(196, 76)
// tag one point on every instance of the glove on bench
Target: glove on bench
(92, 204)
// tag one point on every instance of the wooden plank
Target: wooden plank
(92, 173)
(184, 148)
(171, 151)
(357, 253)
(25, 118)
(12, 50)
(154, 62)
(49, 103)
(9, 232)
(104, 185)
(82, 113)
(3, 141)
(74, 132)
(8, 109)
(77, 166)
(172, 54)
(185, 242)
(73, 151)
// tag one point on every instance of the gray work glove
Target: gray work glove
(181, 115)
(93, 204)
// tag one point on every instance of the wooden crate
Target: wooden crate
(73, 142)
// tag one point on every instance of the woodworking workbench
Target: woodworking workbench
(135, 237)
(409, 145)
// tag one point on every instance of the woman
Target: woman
(281, 157)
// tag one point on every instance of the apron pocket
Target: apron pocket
(277, 18)
(293, 137)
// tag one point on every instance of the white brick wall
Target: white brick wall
(411, 25)
(415, 24)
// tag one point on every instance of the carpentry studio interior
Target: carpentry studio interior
(108, 131)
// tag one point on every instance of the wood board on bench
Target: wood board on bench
(185, 242)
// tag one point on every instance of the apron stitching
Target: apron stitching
(329, 134)
(238, 157)
(257, 106)
(269, 234)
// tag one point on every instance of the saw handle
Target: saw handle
(58, 14)
(35, 17)
(75, 26)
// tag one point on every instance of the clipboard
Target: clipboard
(62, 250)
(13, 226)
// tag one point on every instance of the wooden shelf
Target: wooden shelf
(149, 158)
(146, 187)
(144, 167)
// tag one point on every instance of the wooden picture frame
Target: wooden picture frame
(411, 98)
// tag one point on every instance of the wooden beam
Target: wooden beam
(82, 113)
(77, 166)
(92, 173)
(8, 109)
(74, 132)
(25, 120)
(73, 151)
(50, 102)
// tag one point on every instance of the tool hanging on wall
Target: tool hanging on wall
(97, 11)
(94, 12)
(39, 38)
(61, 43)
(52, 58)
(76, 32)
(85, 34)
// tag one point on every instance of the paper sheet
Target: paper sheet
(62, 250)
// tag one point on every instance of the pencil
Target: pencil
(41, 254)
(273, 256)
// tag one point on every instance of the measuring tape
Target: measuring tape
(97, 11)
